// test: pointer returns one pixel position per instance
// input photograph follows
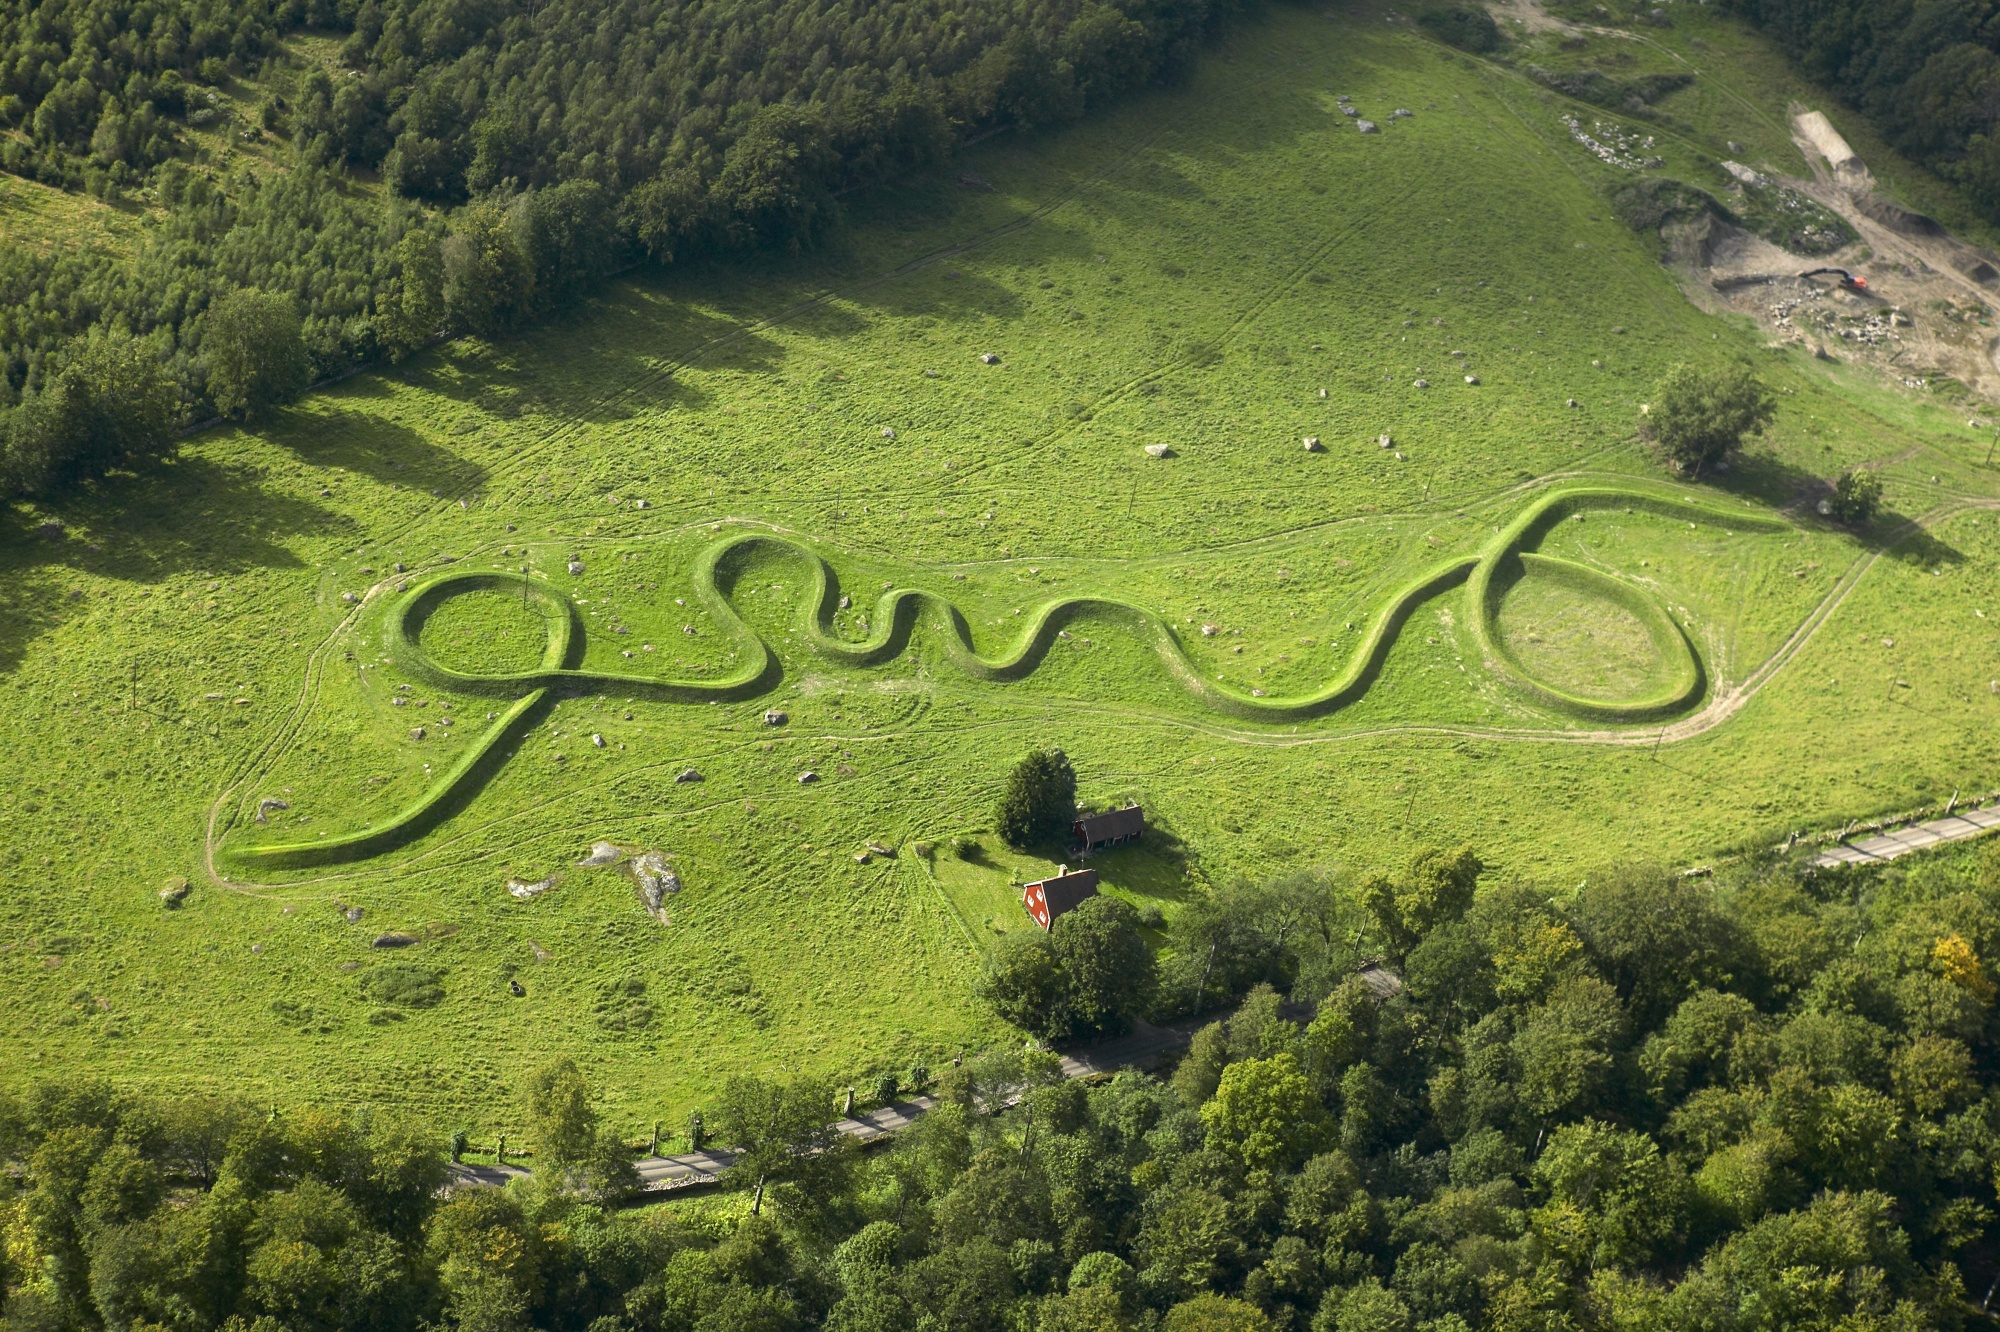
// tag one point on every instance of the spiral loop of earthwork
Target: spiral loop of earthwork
(1485, 576)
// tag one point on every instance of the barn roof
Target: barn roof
(1117, 823)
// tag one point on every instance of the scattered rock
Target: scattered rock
(349, 598)
(808, 778)
(518, 990)
(416, 733)
(268, 804)
(1383, 441)
(881, 850)
(845, 601)
(888, 432)
(576, 566)
(656, 881)
(399, 702)
(601, 854)
(988, 358)
(174, 891)
(400, 568)
(353, 915)
(1159, 451)
(1572, 402)
(689, 775)
(1210, 630)
(597, 739)
(394, 939)
(776, 718)
(1346, 110)
(1366, 127)
(1472, 379)
(1423, 383)
(861, 857)
(1312, 444)
(1401, 113)
(1322, 393)
(50, 529)
(524, 890)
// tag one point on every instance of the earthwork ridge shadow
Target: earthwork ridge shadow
(899, 610)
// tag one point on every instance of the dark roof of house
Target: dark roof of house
(1118, 823)
(1063, 891)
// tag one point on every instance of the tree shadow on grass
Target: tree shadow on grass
(190, 515)
(1797, 492)
(327, 432)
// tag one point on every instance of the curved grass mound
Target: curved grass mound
(899, 611)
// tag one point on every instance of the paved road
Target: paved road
(1889, 845)
(1144, 1046)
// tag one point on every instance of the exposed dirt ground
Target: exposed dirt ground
(1930, 317)
(1927, 316)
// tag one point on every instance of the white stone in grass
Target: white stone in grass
(1472, 379)
(845, 601)
(601, 854)
(1322, 393)
(1383, 441)
(888, 432)
(1349, 111)
(808, 778)
(1159, 451)
(1572, 403)
(1210, 630)
(689, 775)
(641, 504)
(776, 718)
(576, 566)
(1366, 126)
(349, 598)
(1312, 444)
(524, 890)
(416, 733)
(597, 739)
(988, 358)
(1423, 383)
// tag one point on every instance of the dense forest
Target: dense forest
(1927, 72)
(465, 165)
(1442, 1100)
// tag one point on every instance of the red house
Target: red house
(1063, 891)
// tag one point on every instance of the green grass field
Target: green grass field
(1190, 270)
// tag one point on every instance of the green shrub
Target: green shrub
(1039, 803)
(1856, 496)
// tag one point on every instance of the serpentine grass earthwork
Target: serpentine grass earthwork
(1486, 576)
